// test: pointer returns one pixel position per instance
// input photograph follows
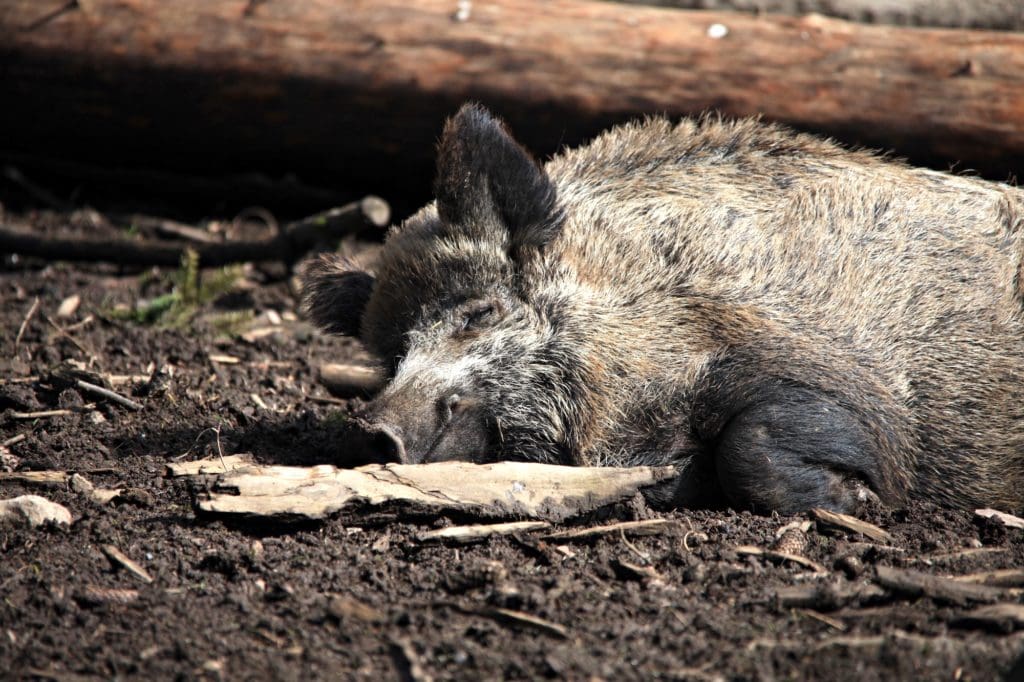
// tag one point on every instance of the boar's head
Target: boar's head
(459, 313)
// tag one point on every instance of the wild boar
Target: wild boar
(786, 321)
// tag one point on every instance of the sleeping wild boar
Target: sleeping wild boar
(787, 322)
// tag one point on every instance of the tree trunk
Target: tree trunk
(358, 90)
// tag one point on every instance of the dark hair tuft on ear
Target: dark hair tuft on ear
(334, 293)
(484, 175)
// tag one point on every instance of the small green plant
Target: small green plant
(190, 292)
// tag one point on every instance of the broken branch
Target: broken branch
(296, 239)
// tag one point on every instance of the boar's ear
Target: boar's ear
(334, 293)
(485, 177)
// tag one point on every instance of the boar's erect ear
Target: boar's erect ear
(334, 293)
(484, 176)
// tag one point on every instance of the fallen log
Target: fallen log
(992, 15)
(343, 89)
(501, 490)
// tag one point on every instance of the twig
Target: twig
(851, 523)
(526, 620)
(648, 527)
(46, 414)
(481, 531)
(703, 537)
(108, 394)
(827, 620)
(750, 550)
(644, 556)
(288, 246)
(63, 333)
(13, 440)
(173, 228)
(119, 557)
(24, 323)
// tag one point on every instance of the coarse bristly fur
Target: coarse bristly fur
(785, 320)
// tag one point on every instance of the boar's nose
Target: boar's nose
(385, 442)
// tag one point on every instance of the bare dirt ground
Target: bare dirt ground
(358, 596)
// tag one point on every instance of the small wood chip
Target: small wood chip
(224, 359)
(1005, 617)
(68, 306)
(645, 574)
(119, 557)
(105, 595)
(1008, 520)
(81, 485)
(852, 524)
(750, 550)
(102, 496)
(211, 465)
(647, 527)
(50, 479)
(946, 590)
(481, 531)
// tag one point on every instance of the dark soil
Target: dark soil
(358, 597)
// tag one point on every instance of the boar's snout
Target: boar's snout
(414, 429)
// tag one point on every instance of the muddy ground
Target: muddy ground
(358, 597)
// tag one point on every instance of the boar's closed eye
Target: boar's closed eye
(479, 315)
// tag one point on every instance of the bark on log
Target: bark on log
(343, 89)
(994, 15)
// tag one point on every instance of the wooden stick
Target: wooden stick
(122, 559)
(481, 531)
(46, 414)
(24, 323)
(851, 523)
(646, 527)
(108, 394)
(287, 247)
(776, 556)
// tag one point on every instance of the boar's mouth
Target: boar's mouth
(452, 428)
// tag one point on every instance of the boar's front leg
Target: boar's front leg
(790, 443)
